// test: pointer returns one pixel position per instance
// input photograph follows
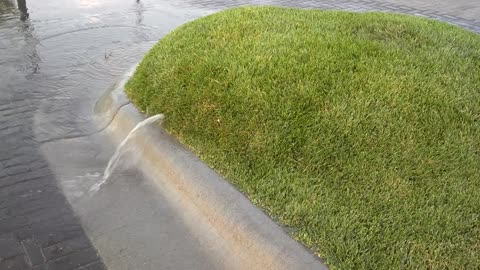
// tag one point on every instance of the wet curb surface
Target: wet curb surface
(247, 231)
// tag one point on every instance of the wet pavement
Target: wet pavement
(56, 59)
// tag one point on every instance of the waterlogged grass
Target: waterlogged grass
(359, 132)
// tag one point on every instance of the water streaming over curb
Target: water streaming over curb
(121, 150)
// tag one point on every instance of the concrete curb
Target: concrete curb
(257, 241)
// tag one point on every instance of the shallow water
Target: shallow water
(60, 56)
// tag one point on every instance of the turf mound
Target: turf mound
(360, 132)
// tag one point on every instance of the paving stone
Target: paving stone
(34, 211)
(66, 247)
(9, 247)
(11, 224)
(40, 267)
(14, 263)
(94, 266)
(33, 252)
(74, 260)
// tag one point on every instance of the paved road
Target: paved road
(465, 13)
(55, 59)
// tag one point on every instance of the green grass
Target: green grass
(358, 132)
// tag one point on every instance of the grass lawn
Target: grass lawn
(359, 132)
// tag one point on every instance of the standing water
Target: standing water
(121, 149)
(56, 59)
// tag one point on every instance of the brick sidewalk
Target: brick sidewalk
(464, 15)
(38, 229)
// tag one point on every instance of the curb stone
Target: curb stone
(258, 241)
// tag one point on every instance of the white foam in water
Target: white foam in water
(113, 162)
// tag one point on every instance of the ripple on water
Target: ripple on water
(78, 187)
(65, 60)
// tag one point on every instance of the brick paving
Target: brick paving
(38, 228)
(464, 13)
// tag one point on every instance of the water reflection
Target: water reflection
(139, 9)
(17, 37)
(22, 6)
(32, 65)
(89, 3)
(5, 7)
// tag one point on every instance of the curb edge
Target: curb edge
(247, 230)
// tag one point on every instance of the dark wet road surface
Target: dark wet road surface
(56, 59)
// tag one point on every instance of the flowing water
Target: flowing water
(121, 150)
(58, 57)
